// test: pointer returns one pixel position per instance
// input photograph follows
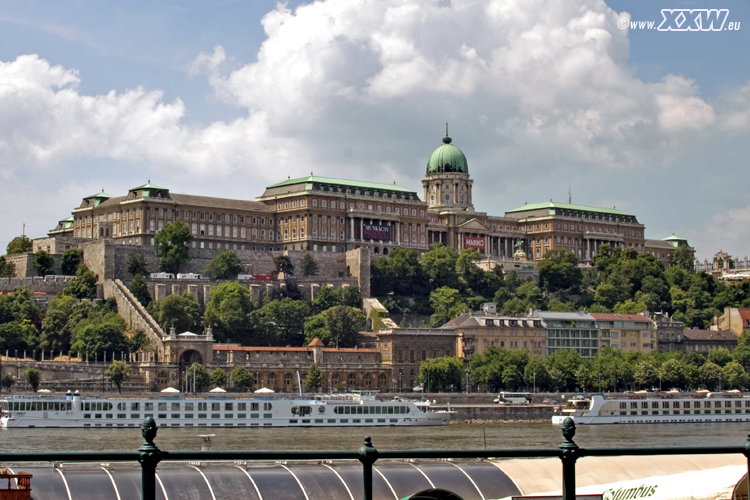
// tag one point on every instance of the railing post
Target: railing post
(367, 455)
(568, 456)
(150, 457)
(746, 452)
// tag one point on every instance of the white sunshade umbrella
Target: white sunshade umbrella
(264, 390)
(217, 389)
(170, 389)
(44, 391)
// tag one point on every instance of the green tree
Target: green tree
(710, 374)
(315, 328)
(734, 375)
(173, 242)
(19, 244)
(197, 377)
(467, 268)
(584, 376)
(118, 372)
(326, 298)
(442, 374)
(565, 362)
(100, 333)
(559, 271)
(19, 305)
(55, 331)
(219, 377)
(308, 266)
(228, 313)
(439, 264)
(721, 356)
(18, 335)
(287, 317)
(136, 264)
(646, 375)
(70, 260)
(344, 323)
(139, 289)
(7, 269)
(83, 285)
(683, 258)
(7, 382)
(179, 311)
(314, 379)
(512, 377)
(535, 374)
(43, 263)
(444, 301)
(242, 379)
(225, 265)
(283, 264)
(673, 374)
(33, 377)
(139, 341)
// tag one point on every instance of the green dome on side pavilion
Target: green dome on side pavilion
(447, 158)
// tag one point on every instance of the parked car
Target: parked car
(549, 401)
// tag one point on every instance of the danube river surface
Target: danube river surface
(515, 435)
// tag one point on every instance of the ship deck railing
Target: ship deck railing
(149, 456)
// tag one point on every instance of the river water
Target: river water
(513, 435)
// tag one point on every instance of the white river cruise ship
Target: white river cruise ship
(642, 407)
(177, 410)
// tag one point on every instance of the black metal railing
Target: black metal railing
(149, 456)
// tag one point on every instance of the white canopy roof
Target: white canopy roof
(170, 389)
(264, 390)
(217, 389)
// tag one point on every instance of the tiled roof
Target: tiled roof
(461, 321)
(315, 343)
(566, 206)
(210, 202)
(658, 244)
(726, 335)
(620, 317)
(342, 182)
(744, 314)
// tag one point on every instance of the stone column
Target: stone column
(361, 229)
(351, 225)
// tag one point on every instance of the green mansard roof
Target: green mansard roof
(314, 179)
(566, 206)
(148, 185)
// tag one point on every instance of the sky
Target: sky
(224, 98)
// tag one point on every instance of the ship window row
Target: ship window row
(370, 410)
(177, 406)
(37, 406)
(684, 412)
(683, 404)
(177, 416)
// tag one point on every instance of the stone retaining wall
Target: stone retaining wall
(134, 314)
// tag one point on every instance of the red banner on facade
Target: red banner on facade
(474, 242)
(373, 232)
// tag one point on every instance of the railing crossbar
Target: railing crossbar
(568, 452)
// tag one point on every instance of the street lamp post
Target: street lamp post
(534, 382)
(600, 381)
(720, 381)
(659, 380)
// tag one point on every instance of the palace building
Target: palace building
(325, 214)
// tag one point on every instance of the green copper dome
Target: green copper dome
(447, 158)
